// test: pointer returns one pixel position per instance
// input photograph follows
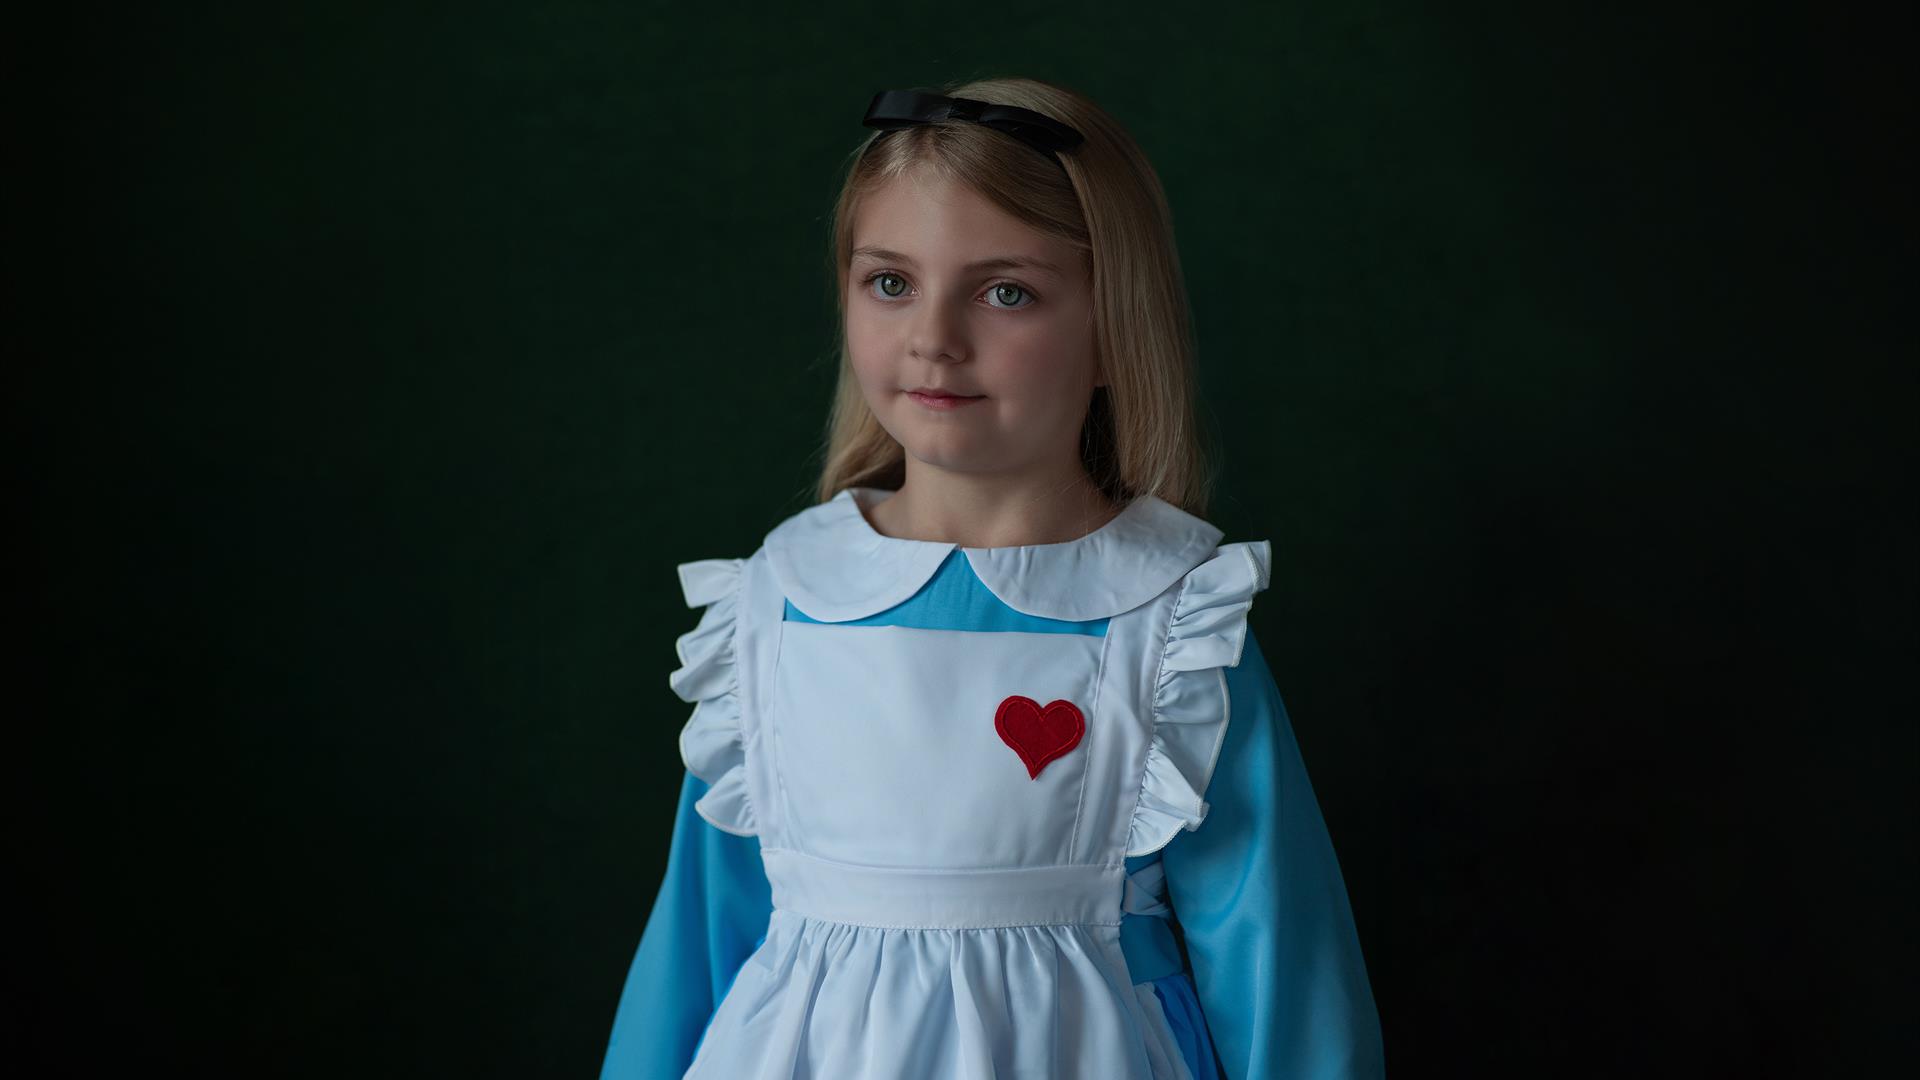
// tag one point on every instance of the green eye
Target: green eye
(1010, 296)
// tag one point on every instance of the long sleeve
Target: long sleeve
(1259, 896)
(710, 914)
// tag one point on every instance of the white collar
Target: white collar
(834, 566)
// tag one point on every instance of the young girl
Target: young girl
(986, 775)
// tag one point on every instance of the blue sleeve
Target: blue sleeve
(710, 914)
(1258, 894)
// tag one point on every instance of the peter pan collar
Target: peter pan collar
(834, 566)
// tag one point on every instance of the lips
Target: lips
(942, 400)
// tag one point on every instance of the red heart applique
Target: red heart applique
(1039, 735)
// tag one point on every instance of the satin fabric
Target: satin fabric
(1258, 892)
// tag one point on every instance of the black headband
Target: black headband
(903, 108)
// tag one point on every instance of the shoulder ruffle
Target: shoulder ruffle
(1190, 706)
(712, 743)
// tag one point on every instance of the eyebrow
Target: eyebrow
(1003, 262)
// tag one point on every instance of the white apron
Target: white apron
(943, 814)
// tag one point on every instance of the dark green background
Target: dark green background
(376, 364)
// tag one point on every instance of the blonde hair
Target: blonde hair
(1141, 434)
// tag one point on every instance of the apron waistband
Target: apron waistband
(942, 899)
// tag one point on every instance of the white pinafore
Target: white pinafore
(942, 911)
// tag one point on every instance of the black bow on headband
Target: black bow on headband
(903, 108)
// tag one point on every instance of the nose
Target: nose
(939, 333)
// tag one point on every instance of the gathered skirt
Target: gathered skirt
(821, 999)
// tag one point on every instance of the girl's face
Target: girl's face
(947, 292)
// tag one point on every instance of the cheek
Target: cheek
(1048, 361)
(866, 352)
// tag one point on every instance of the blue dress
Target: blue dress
(1270, 982)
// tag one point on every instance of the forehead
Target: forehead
(928, 219)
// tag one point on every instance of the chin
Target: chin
(944, 453)
(954, 459)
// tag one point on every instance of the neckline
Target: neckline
(852, 495)
(834, 565)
